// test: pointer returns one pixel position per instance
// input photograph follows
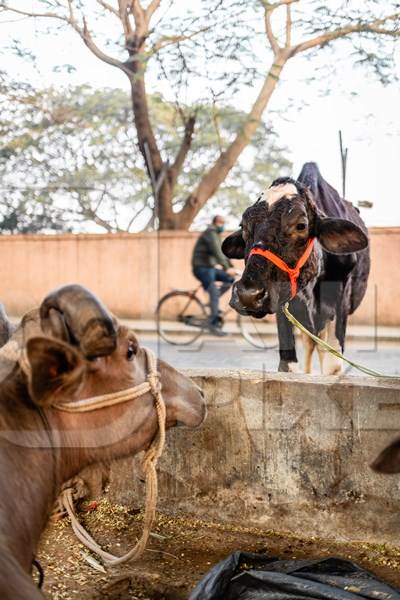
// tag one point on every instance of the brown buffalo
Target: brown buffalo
(76, 350)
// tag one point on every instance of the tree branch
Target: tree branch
(269, 8)
(275, 5)
(184, 148)
(50, 15)
(151, 9)
(288, 26)
(86, 211)
(143, 124)
(89, 42)
(108, 7)
(324, 38)
(140, 17)
(268, 29)
(175, 39)
(136, 215)
(211, 180)
(216, 124)
(124, 16)
(83, 32)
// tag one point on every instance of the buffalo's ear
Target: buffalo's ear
(233, 246)
(340, 236)
(57, 370)
(388, 460)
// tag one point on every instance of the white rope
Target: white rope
(105, 400)
(151, 385)
(149, 461)
(328, 348)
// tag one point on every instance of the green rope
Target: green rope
(332, 350)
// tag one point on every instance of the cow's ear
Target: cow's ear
(233, 246)
(57, 370)
(340, 236)
(388, 460)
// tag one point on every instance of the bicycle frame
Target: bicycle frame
(193, 294)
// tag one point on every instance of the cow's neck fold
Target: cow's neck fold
(42, 448)
(28, 493)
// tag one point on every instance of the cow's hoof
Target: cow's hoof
(332, 365)
(334, 370)
(288, 367)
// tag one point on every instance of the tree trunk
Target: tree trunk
(146, 138)
(209, 184)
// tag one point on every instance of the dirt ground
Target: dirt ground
(180, 552)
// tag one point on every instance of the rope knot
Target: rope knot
(295, 272)
(149, 462)
(153, 379)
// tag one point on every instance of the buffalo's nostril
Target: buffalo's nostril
(249, 296)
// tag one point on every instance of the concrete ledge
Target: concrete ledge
(354, 333)
(282, 452)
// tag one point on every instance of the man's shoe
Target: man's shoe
(217, 331)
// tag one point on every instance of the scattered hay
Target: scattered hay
(182, 549)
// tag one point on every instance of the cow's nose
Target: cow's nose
(250, 296)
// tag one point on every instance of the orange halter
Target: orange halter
(278, 262)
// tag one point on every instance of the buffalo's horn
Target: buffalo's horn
(74, 314)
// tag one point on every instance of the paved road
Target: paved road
(234, 353)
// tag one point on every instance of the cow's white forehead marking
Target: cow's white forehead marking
(272, 194)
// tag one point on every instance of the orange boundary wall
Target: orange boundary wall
(123, 270)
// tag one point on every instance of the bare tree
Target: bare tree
(66, 156)
(307, 26)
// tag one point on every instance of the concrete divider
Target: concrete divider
(283, 452)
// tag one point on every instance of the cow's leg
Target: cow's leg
(330, 364)
(309, 346)
(335, 332)
(301, 307)
(323, 335)
(287, 346)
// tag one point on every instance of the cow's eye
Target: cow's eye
(301, 226)
(131, 351)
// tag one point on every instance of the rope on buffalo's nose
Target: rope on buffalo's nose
(149, 464)
(331, 350)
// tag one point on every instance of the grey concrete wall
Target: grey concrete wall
(282, 452)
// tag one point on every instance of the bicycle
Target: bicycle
(182, 318)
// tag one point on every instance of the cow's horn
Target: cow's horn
(74, 314)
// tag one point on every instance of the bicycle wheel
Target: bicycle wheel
(181, 318)
(255, 332)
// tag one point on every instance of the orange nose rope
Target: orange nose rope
(278, 262)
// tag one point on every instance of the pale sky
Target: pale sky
(368, 120)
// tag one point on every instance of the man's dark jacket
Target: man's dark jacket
(207, 251)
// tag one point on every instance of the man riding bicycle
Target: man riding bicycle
(207, 256)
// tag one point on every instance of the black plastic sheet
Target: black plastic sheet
(245, 576)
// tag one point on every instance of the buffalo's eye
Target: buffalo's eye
(131, 351)
(301, 226)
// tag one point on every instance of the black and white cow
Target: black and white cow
(296, 222)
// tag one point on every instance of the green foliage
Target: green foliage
(25, 212)
(69, 158)
(80, 144)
